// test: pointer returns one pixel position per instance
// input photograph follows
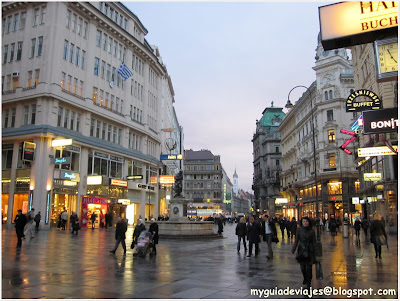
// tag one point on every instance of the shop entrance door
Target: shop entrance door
(94, 208)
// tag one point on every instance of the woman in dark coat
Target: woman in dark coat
(220, 225)
(357, 228)
(378, 235)
(74, 220)
(333, 226)
(306, 248)
(253, 235)
(154, 231)
(241, 231)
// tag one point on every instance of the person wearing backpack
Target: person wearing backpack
(37, 219)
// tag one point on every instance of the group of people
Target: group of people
(289, 225)
(120, 234)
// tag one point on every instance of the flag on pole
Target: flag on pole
(124, 71)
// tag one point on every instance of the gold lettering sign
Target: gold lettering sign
(357, 106)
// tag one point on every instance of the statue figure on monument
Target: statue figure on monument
(178, 185)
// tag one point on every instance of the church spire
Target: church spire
(235, 174)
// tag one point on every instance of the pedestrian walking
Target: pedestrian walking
(154, 231)
(288, 225)
(357, 228)
(378, 235)
(241, 231)
(306, 245)
(269, 234)
(108, 218)
(293, 227)
(28, 231)
(254, 232)
(120, 231)
(74, 221)
(282, 226)
(365, 226)
(20, 222)
(333, 227)
(93, 219)
(220, 225)
(64, 219)
(37, 219)
(136, 232)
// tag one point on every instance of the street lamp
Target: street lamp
(290, 105)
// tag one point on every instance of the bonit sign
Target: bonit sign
(381, 121)
(353, 23)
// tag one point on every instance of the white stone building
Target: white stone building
(60, 80)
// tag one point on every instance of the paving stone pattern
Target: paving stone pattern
(58, 265)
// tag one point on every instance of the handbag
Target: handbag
(318, 270)
(302, 253)
(380, 240)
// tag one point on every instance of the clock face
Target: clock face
(388, 57)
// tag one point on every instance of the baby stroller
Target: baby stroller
(144, 244)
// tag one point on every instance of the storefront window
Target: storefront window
(357, 186)
(301, 193)
(335, 188)
(71, 152)
(20, 202)
(105, 165)
(7, 153)
(134, 168)
(4, 206)
(60, 203)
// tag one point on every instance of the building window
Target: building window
(62, 83)
(42, 14)
(79, 26)
(30, 73)
(13, 112)
(91, 127)
(66, 117)
(277, 162)
(329, 114)
(96, 66)
(33, 113)
(26, 115)
(104, 42)
(73, 24)
(331, 136)
(71, 53)
(71, 123)
(85, 28)
(12, 47)
(332, 160)
(98, 125)
(330, 94)
(74, 89)
(83, 59)
(68, 19)
(19, 51)
(334, 188)
(5, 52)
(5, 124)
(33, 45)
(103, 66)
(60, 114)
(22, 22)
(36, 17)
(94, 95)
(37, 73)
(77, 56)
(69, 83)
(326, 95)
(80, 88)
(78, 122)
(40, 46)
(65, 50)
(98, 38)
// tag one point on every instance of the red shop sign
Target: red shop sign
(93, 200)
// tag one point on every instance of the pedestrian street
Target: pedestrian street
(56, 264)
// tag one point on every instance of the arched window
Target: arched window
(326, 95)
(330, 94)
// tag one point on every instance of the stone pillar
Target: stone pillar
(11, 191)
(177, 209)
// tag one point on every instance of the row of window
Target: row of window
(77, 25)
(105, 165)
(152, 122)
(12, 80)
(12, 52)
(208, 185)
(200, 195)
(105, 131)
(17, 21)
(69, 119)
(153, 79)
(106, 43)
(107, 101)
(137, 90)
(151, 148)
(29, 114)
(111, 75)
(71, 86)
(74, 57)
(202, 167)
(136, 114)
(152, 101)
(137, 65)
(135, 141)
(111, 13)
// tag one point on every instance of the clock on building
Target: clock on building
(386, 55)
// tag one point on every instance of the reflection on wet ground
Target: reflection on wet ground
(56, 264)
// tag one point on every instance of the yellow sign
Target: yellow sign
(61, 142)
(116, 182)
(354, 22)
(376, 176)
(376, 151)
(281, 201)
(167, 180)
(153, 180)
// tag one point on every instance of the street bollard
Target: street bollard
(345, 229)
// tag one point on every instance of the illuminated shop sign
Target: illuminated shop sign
(93, 200)
(145, 187)
(356, 22)
(94, 180)
(124, 201)
(281, 201)
(376, 176)
(170, 157)
(376, 151)
(63, 160)
(167, 180)
(358, 125)
(61, 142)
(134, 177)
(28, 151)
(381, 121)
(117, 182)
(355, 200)
(153, 180)
(357, 106)
(68, 175)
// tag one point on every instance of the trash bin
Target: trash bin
(345, 229)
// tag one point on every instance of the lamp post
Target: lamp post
(289, 105)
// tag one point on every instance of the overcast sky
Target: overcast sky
(227, 62)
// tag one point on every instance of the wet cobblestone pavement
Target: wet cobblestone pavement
(56, 265)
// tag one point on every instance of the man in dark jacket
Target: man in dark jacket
(20, 222)
(282, 226)
(269, 233)
(120, 230)
(154, 231)
(138, 229)
(253, 235)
